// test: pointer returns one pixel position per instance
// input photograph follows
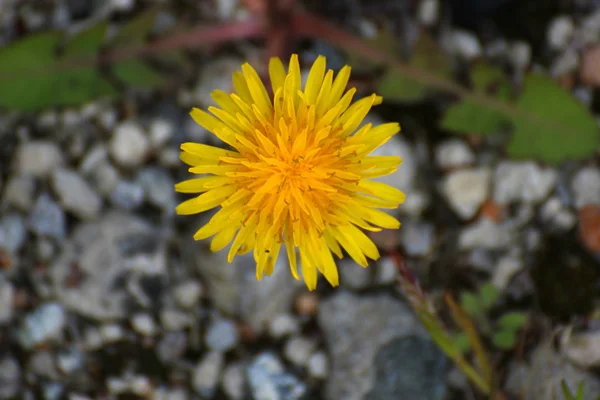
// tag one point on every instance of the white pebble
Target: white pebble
(318, 365)
(129, 145)
(144, 324)
(466, 190)
(560, 32)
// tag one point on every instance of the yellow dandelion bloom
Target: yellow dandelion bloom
(296, 171)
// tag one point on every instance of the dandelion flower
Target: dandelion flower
(297, 171)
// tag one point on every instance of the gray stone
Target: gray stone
(234, 381)
(158, 187)
(560, 32)
(412, 367)
(221, 335)
(466, 190)
(506, 268)
(10, 377)
(428, 12)
(548, 369)
(161, 131)
(554, 213)
(318, 365)
(352, 275)
(417, 237)
(387, 271)
(128, 195)
(586, 186)
(118, 247)
(283, 325)
(7, 292)
(75, 194)
(205, 376)
(174, 320)
(19, 191)
(171, 346)
(298, 350)
(519, 54)
(38, 158)
(130, 145)
(187, 294)
(44, 324)
(234, 289)
(268, 380)
(12, 232)
(70, 361)
(47, 218)
(582, 349)
(465, 44)
(112, 333)
(486, 234)
(143, 324)
(453, 153)
(523, 182)
(353, 346)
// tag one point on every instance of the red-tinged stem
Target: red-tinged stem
(203, 36)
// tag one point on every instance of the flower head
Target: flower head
(296, 171)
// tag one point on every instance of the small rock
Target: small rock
(170, 394)
(128, 195)
(466, 190)
(216, 74)
(506, 268)
(428, 12)
(7, 293)
(144, 324)
(70, 361)
(158, 187)
(387, 272)
(519, 54)
(12, 232)
(221, 335)
(234, 381)
(205, 376)
(417, 238)
(129, 145)
(161, 131)
(554, 213)
(44, 249)
(172, 346)
(44, 324)
(174, 320)
(268, 380)
(454, 153)
(318, 365)
(19, 192)
(10, 377)
(75, 194)
(560, 32)
(522, 182)
(92, 339)
(352, 275)
(465, 44)
(38, 158)
(141, 386)
(105, 178)
(485, 233)
(586, 186)
(111, 333)
(353, 346)
(47, 218)
(283, 325)
(298, 350)
(188, 294)
(582, 349)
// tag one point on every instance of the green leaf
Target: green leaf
(512, 320)
(471, 304)
(567, 391)
(504, 339)
(488, 294)
(461, 342)
(136, 31)
(563, 128)
(136, 74)
(78, 84)
(470, 117)
(24, 83)
(426, 56)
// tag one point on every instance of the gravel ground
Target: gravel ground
(105, 295)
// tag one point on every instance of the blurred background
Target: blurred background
(105, 295)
